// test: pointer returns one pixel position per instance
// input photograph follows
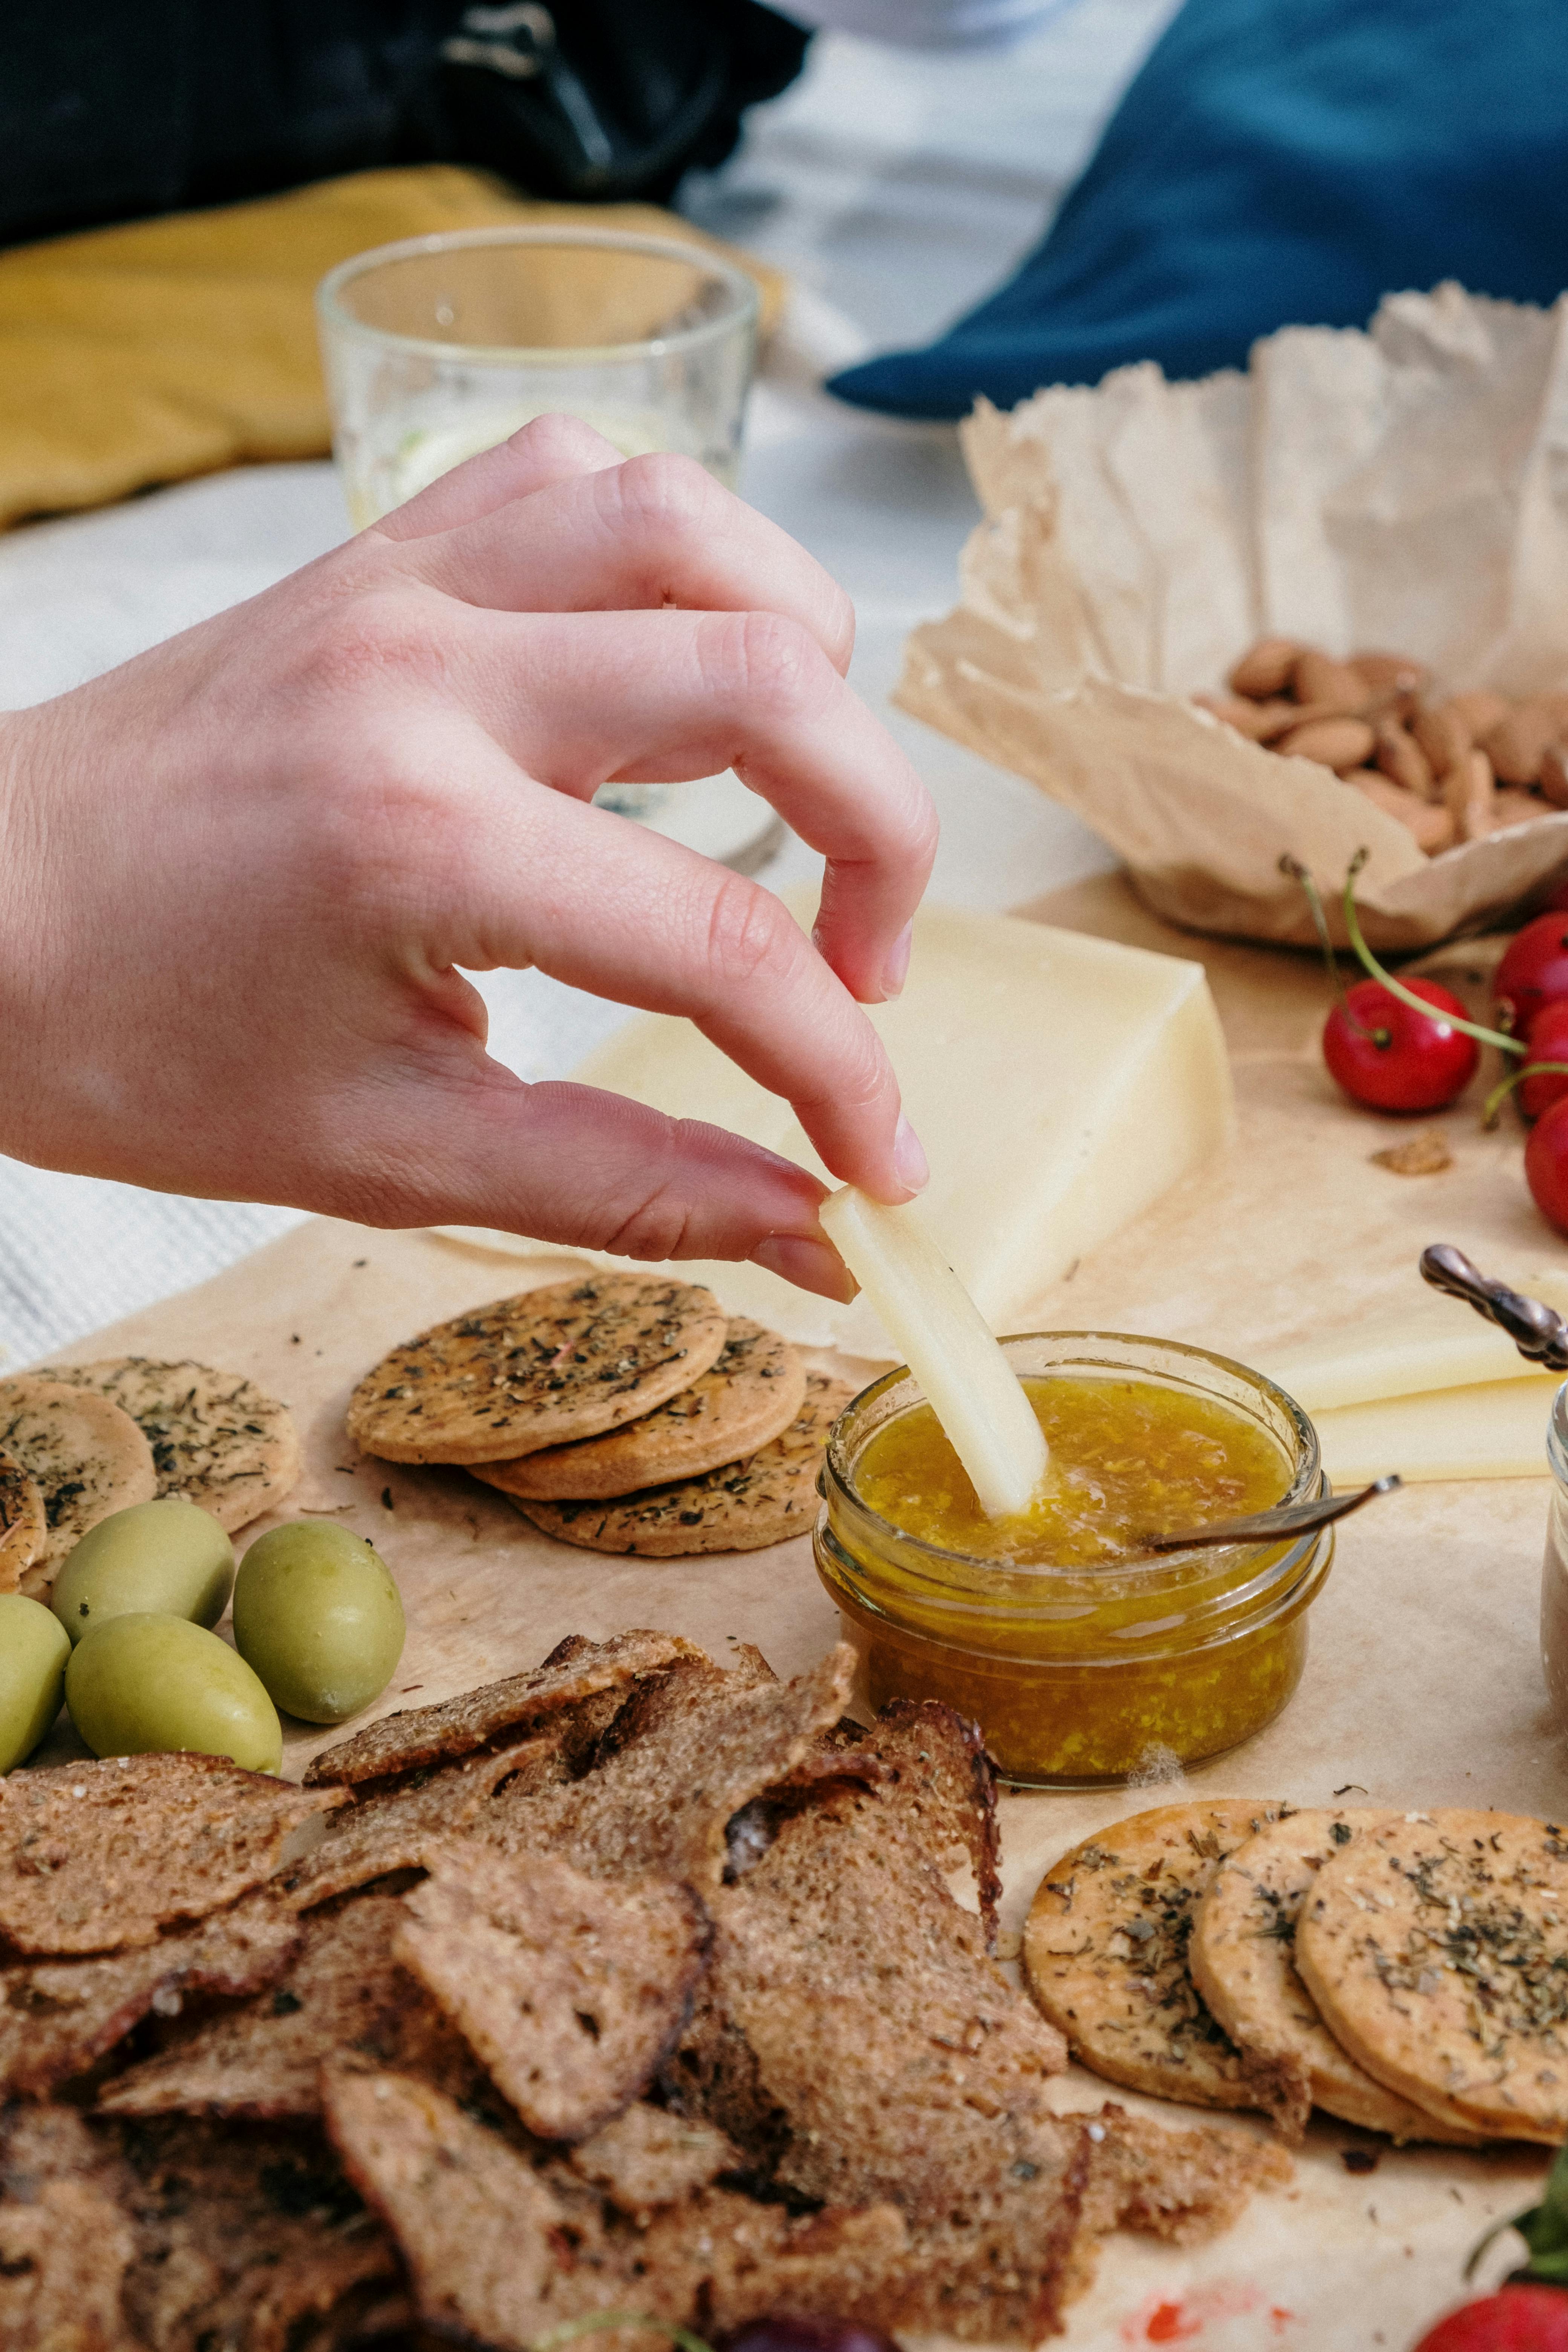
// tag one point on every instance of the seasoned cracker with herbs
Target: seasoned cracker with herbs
(88, 1457)
(24, 1527)
(1436, 1948)
(1105, 1950)
(545, 1368)
(217, 1438)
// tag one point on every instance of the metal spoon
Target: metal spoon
(1538, 1333)
(1265, 1527)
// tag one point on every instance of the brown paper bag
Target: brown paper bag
(1401, 488)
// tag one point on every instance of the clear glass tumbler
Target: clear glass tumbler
(440, 347)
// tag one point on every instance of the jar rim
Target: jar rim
(945, 1569)
(1557, 1435)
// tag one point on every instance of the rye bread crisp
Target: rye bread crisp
(498, 2251)
(543, 1368)
(63, 2262)
(56, 2017)
(749, 1395)
(217, 1438)
(570, 1993)
(1242, 1961)
(648, 2158)
(97, 1856)
(386, 1831)
(763, 1499)
(575, 1670)
(24, 1530)
(689, 1750)
(345, 1992)
(1105, 1955)
(1182, 2186)
(855, 2042)
(1436, 1946)
(251, 2241)
(88, 1457)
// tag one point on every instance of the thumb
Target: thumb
(594, 1171)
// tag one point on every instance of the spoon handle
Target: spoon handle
(1538, 1333)
(1262, 1527)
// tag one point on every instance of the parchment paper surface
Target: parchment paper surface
(1402, 488)
(1423, 1686)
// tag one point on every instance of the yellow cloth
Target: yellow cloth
(142, 354)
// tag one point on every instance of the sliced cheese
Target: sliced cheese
(1435, 1343)
(936, 1329)
(1059, 1084)
(1494, 1429)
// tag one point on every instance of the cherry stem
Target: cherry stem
(1407, 995)
(1499, 1094)
(1381, 1038)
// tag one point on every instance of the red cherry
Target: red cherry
(1420, 1064)
(1548, 1043)
(1546, 1164)
(1533, 972)
(1524, 2318)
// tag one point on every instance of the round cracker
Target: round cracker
(769, 1496)
(1436, 1948)
(545, 1368)
(1242, 1961)
(1105, 1953)
(217, 1438)
(748, 1396)
(87, 1456)
(24, 1530)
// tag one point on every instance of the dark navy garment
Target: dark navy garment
(1278, 163)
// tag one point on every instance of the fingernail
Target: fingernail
(896, 971)
(809, 1265)
(909, 1163)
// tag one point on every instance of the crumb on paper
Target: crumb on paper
(1158, 1767)
(1425, 1153)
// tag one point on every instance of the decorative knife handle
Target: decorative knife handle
(1538, 1332)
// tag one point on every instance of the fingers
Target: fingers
(549, 450)
(651, 532)
(590, 1171)
(580, 699)
(530, 876)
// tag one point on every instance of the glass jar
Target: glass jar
(1554, 1569)
(1079, 1675)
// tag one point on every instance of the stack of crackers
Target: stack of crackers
(1407, 1972)
(80, 1440)
(621, 1414)
(625, 1985)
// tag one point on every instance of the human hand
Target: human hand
(239, 875)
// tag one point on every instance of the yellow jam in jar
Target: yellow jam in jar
(1127, 1459)
(1082, 1658)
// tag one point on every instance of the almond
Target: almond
(1480, 713)
(1553, 776)
(1443, 736)
(1400, 757)
(1392, 672)
(1510, 806)
(1335, 742)
(1265, 668)
(1430, 822)
(1471, 796)
(1256, 720)
(1316, 678)
(1517, 744)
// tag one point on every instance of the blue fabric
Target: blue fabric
(1278, 163)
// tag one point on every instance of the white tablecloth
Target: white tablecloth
(896, 189)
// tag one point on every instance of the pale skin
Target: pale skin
(240, 875)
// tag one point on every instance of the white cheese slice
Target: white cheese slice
(936, 1329)
(1059, 1084)
(1435, 1343)
(1495, 1430)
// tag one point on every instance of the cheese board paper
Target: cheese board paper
(1423, 1686)
(1395, 488)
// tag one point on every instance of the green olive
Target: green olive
(152, 1684)
(169, 1557)
(318, 1617)
(33, 1653)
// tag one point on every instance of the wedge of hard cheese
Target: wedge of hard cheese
(1060, 1085)
(1432, 1343)
(1496, 1429)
